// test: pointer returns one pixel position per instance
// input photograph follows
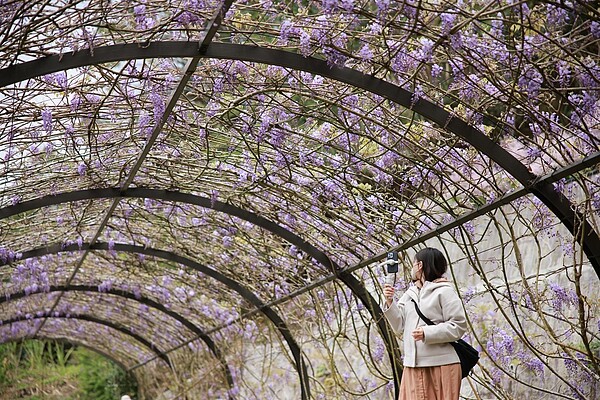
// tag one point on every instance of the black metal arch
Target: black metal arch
(352, 282)
(99, 321)
(573, 220)
(141, 299)
(234, 285)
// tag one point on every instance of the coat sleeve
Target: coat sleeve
(455, 320)
(395, 314)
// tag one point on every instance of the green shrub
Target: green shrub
(101, 379)
(40, 369)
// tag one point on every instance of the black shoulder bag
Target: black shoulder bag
(466, 353)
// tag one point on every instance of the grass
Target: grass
(36, 369)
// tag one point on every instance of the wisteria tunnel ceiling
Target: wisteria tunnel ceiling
(186, 185)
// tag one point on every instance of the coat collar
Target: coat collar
(429, 287)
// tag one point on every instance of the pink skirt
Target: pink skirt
(431, 383)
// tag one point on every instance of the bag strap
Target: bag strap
(424, 318)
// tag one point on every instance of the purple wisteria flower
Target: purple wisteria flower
(47, 120)
(61, 80)
(457, 67)
(227, 241)
(375, 28)
(142, 20)
(33, 275)
(521, 8)
(139, 11)
(436, 70)
(82, 169)
(595, 29)
(347, 5)
(469, 294)
(448, 19)
(329, 5)
(531, 81)
(144, 124)
(105, 286)
(562, 297)
(570, 364)
(564, 72)
(75, 102)
(417, 94)
(557, 17)
(187, 18)
(533, 364)
(402, 61)
(286, 29)
(497, 27)
(304, 43)
(456, 41)
(158, 104)
(365, 53)
(382, 6)
(533, 153)
(335, 58)
(588, 73)
(425, 224)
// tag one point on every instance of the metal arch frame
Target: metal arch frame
(100, 321)
(574, 168)
(206, 38)
(175, 196)
(573, 220)
(352, 282)
(141, 299)
(281, 326)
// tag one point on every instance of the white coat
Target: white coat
(439, 302)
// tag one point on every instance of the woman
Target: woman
(431, 366)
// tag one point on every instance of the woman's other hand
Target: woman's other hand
(418, 334)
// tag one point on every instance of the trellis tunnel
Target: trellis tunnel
(202, 191)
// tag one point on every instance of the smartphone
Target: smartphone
(392, 268)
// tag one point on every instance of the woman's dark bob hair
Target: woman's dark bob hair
(434, 263)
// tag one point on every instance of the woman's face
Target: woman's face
(417, 270)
